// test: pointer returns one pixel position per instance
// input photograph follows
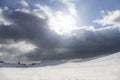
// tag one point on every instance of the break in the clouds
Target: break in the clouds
(38, 31)
(113, 18)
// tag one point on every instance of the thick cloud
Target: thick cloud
(27, 28)
(96, 41)
(15, 51)
(86, 43)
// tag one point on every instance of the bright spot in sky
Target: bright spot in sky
(62, 23)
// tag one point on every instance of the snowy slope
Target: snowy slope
(104, 68)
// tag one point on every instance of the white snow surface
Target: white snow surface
(103, 68)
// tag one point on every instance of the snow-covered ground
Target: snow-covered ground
(104, 68)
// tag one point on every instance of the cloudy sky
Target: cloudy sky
(33, 30)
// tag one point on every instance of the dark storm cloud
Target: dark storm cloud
(93, 43)
(86, 43)
(28, 27)
(104, 41)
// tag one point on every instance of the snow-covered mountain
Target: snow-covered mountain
(103, 68)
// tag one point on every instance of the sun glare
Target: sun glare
(61, 23)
